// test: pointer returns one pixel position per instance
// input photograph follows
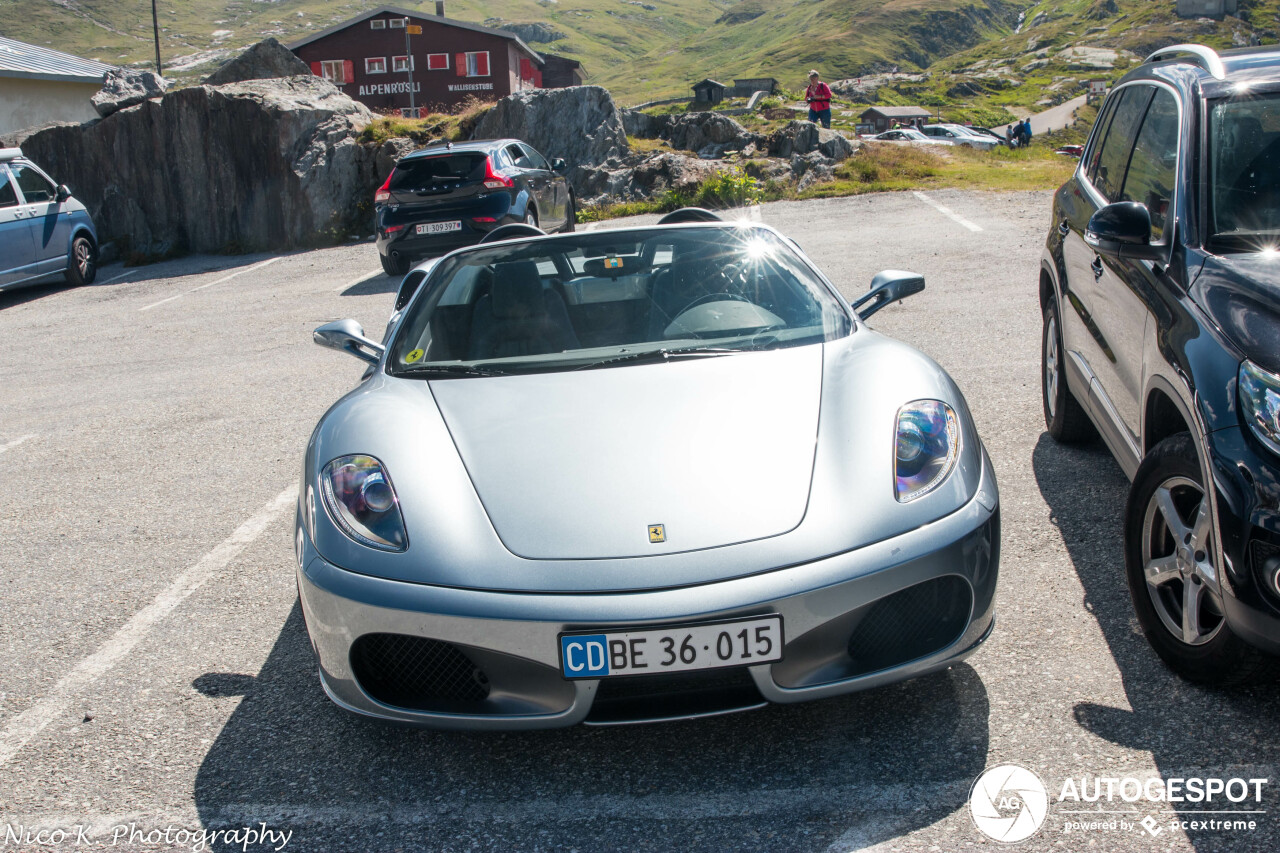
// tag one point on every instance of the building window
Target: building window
(396, 23)
(402, 63)
(375, 65)
(334, 70)
(378, 24)
(478, 64)
(437, 62)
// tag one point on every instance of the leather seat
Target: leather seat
(691, 276)
(519, 316)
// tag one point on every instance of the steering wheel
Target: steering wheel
(715, 297)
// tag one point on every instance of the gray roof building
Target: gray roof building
(39, 85)
(19, 59)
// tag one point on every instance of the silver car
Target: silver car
(634, 475)
(45, 233)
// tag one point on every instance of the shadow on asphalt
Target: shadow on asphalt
(1189, 730)
(870, 767)
(21, 295)
(378, 284)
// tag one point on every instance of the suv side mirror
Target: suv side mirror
(558, 164)
(348, 336)
(1122, 230)
(888, 286)
(63, 193)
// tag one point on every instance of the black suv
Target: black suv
(447, 196)
(1160, 289)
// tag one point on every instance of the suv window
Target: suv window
(8, 198)
(518, 158)
(1095, 148)
(35, 187)
(1150, 175)
(1113, 159)
(1244, 162)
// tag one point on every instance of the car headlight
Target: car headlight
(360, 499)
(1260, 403)
(927, 446)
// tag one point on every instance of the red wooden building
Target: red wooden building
(393, 59)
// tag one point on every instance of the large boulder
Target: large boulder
(580, 124)
(124, 87)
(266, 60)
(265, 165)
(710, 132)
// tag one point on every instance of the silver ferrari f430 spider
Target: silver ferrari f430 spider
(633, 475)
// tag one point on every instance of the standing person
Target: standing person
(1008, 134)
(1026, 131)
(819, 97)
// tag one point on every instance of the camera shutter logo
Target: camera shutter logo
(1008, 803)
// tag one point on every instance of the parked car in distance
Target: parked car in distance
(1160, 295)
(986, 132)
(638, 474)
(45, 232)
(959, 135)
(907, 135)
(450, 195)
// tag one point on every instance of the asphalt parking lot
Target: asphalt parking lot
(157, 677)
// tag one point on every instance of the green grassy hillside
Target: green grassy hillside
(988, 54)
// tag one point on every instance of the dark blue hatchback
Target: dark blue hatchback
(447, 196)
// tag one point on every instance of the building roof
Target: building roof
(706, 81)
(19, 59)
(899, 112)
(409, 13)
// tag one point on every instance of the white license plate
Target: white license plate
(742, 642)
(439, 227)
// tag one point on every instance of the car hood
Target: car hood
(1241, 295)
(751, 462)
(580, 465)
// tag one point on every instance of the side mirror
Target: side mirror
(348, 336)
(63, 193)
(1122, 230)
(888, 286)
(558, 165)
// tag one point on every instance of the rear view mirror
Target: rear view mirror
(558, 165)
(63, 193)
(348, 336)
(1122, 230)
(888, 286)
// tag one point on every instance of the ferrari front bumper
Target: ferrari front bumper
(454, 658)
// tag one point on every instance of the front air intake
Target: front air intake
(911, 624)
(418, 673)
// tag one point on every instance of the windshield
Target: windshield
(1244, 163)
(614, 297)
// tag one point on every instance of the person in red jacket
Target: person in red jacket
(819, 97)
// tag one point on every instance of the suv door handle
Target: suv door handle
(1063, 228)
(1096, 266)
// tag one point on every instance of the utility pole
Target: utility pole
(155, 26)
(408, 63)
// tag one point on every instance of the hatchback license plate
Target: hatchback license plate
(439, 227)
(742, 642)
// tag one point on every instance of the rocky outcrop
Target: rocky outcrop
(802, 137)
(255, 166)
(124, 87)
(266, 60)
(581, 125)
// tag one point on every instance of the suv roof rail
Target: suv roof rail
(10, 154)
(1206, 57)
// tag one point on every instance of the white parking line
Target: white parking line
(32, 721)
(118, 277)
(946, 211)
(362, 278)
(15, 442)
(257, 266)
